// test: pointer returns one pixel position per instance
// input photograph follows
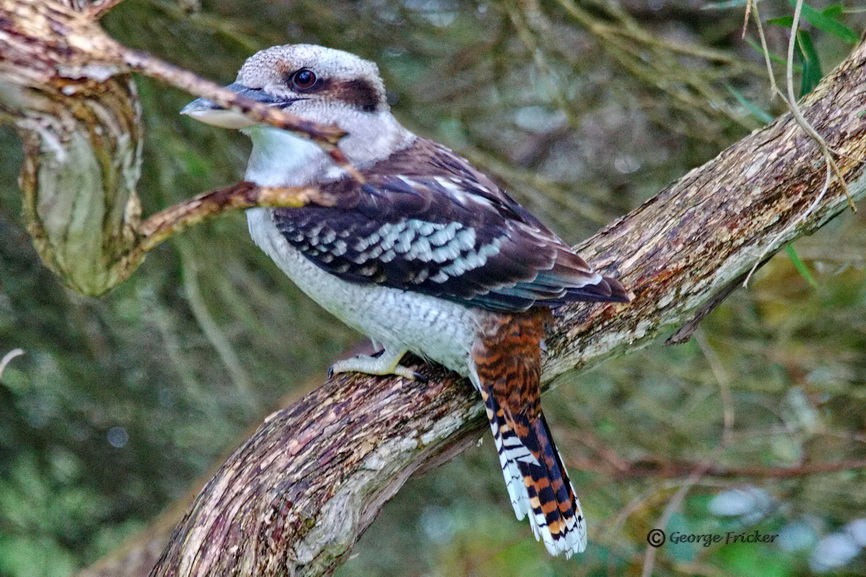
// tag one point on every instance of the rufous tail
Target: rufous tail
(507, 360)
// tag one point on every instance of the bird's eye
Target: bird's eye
(304, 79)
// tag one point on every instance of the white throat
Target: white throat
(281, 158)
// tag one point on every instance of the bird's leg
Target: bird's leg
(384, 363)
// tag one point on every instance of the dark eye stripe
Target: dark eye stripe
(359, 93)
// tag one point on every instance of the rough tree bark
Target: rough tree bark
(295, 497)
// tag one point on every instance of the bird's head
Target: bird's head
(316, 83)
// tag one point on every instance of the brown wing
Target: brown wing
(427, 221)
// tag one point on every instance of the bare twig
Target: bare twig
(673, 505)
(165, 224)
(100, 8)
(7, 358)
(325, 136)
(774, 89)
(674, 469)
(67, 86)
(798, 114)
(791, 102)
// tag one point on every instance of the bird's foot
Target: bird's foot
(383, 363)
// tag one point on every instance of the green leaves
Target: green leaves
(801, 266)
(826, 20)
(811, 63)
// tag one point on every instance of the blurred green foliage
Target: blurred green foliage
(120, 403)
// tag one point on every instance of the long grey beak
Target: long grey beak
(209, 112)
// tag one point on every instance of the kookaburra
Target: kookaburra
(428, 255)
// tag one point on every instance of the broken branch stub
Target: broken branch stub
(80, 124)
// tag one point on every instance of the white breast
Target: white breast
(434, 328)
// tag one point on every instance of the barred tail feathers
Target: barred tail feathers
(507, 371)
(537, 480)
(508, 446)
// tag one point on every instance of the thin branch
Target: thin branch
(7, 358)
(660, 467)
(66, 84)
(100, 8)
(753, 5)
(169, 222)
(724, 382)
(791, 102)
(673, 505)
(798, 114)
